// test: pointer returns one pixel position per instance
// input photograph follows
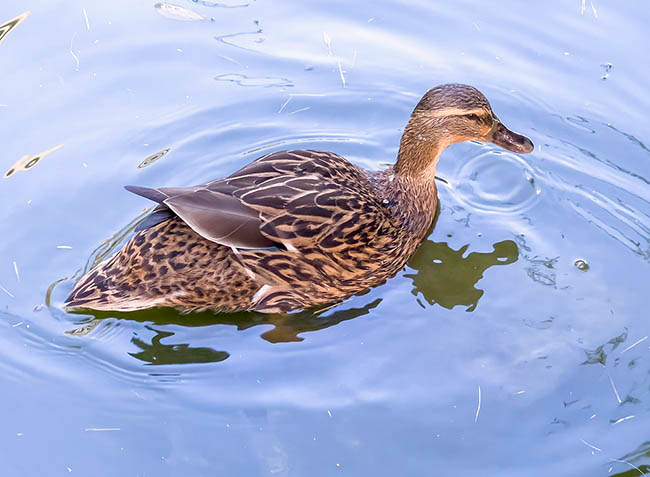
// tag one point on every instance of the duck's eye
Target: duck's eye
(473, 117)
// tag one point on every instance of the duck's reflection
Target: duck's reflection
(447, 277)
(160, 353)
(444, 276)
(287, 328)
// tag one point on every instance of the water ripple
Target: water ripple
(245, 40)
(496, 181)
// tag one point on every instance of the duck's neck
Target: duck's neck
(420, 147)
(412, 200)
(408, 188)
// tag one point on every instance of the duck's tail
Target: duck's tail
(105, 288)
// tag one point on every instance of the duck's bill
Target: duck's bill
(507, 139)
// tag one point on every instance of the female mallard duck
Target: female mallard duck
(292, 229)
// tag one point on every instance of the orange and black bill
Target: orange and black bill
(507, 139)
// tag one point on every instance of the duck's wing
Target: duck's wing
(290, 199)
(216, 216)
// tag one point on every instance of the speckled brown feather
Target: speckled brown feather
(291, 230)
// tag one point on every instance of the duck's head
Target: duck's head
(448, 114)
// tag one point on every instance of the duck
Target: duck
(292, 230)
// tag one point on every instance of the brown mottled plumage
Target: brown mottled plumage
(292, 229)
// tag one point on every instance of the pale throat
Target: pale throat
(419, 159)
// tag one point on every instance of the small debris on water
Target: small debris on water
(284, 104)
(6, 291)
(581, 264)
(593, 9)
(618, 397)
(87, 24)
(300, 110)
(617, 421)
(597, 449)
(341, 73)
(6, 27)
(153, 158)
(608, 68)
(635, 344)
(263, 81)
(65, 247)
(30, 160)
(328, 42)
(176, 13)
(38, 308)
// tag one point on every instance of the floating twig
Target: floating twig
(300, 110)
(591, 445)
(328, 42)
(86, 17)
(341, 73)
(634, 344)
(285, 104)
(618, 398)
(617, 421)
(6, 291)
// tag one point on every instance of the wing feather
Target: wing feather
(299, 198)
(220, 218)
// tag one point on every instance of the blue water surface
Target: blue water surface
(515, 342)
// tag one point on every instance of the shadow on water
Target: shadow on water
(160, 353)
(287, 328)
(446, 277)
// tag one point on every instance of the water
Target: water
(497, 302)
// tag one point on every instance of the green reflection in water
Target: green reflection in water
(641, 452)
(446, 277)
(159, 353)
(599, 354)
(287, 328)
(641, 470)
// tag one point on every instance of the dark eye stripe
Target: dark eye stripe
(473, 117)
